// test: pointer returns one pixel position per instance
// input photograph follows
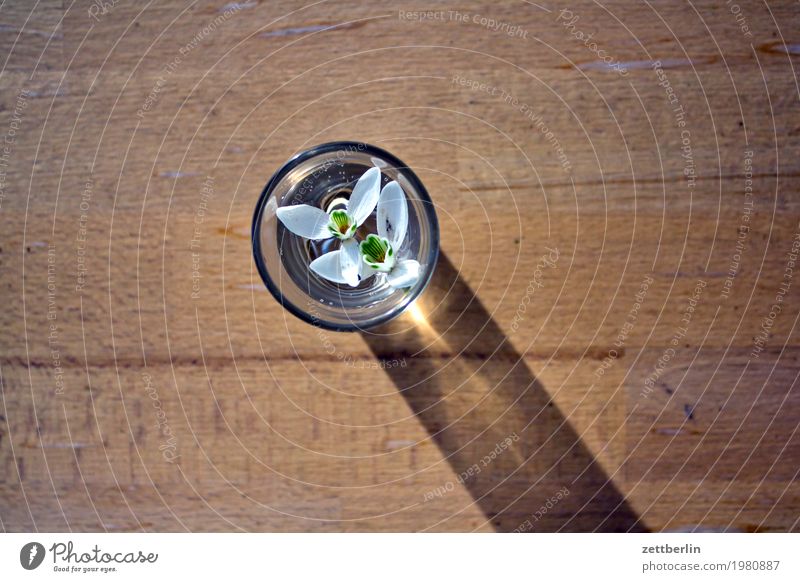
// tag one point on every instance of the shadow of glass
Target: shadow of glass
(506, 441)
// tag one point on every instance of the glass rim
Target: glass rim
(288, 166)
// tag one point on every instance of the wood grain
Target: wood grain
(128, 405)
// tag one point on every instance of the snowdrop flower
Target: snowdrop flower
(380, 251)
(343, 265)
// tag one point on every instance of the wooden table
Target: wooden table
(610, 341)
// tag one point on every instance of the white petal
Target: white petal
(366, 273)
(350, 261)
(306, 221)
(329, 266)
(404, 274)
(393, 214)
(365, 195)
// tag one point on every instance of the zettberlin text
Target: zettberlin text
(666, 549)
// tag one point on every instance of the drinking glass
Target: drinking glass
(324, 176)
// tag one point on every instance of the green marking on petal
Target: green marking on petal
(340, 221)
(374, 249)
